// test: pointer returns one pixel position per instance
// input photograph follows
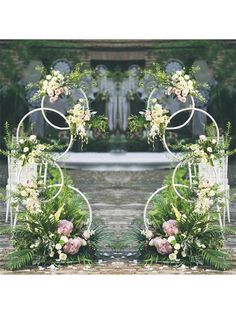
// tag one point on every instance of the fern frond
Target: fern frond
(217, 259)
(19, 259)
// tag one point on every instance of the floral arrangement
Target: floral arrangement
(78, 118)
(207, 194)
(57, 84)
(156, 118)
(207, 150)
(179, 84)
(57, 234)
(182, 233)
(28, 149)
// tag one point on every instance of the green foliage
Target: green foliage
(136, 126)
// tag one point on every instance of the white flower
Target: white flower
(149, 234)
(172, 256)
(51, 254)
(23, 193)
(209, 149)
(83, 242)
(26, 149)
(177, 246)
(62, 257)
(64, 239)
(58, 246)
(171, 239)
(86, 234)
(187, 77)
(202, 137)
(184, 254)
(48, 77)
(211, 193)
(32, 138)
(151, 242)
(214, 141)
(21, 141)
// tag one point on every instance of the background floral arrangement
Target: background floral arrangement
(156, 118)
(179, 234)
(79, 118)
(57, 84)
(179, 84)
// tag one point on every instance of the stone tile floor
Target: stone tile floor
(117, 198)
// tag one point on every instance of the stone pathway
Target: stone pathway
(118, 198)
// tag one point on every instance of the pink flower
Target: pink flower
(163, 246)
(72, 246)
(61, 90)
(65, 227)
(170, 227)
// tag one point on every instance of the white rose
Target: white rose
(202, 137)
(64, 239)
(86, 234)
(172, 256)
(186, 77)
(177, 246)
(32, 138)
(26, 149)
(213, 141)
(62, 257)
(170, 239)
(48, 77)
(149, 234)
(21, 141)
(209, 149)
(58, 246)
(184, 254)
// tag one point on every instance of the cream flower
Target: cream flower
(177, 246)
(62, 257)
(58, 246)
(172, 257)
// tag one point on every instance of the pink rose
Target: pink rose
(72, 246)
(163, 246)
(65, 227)
(170, 227)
